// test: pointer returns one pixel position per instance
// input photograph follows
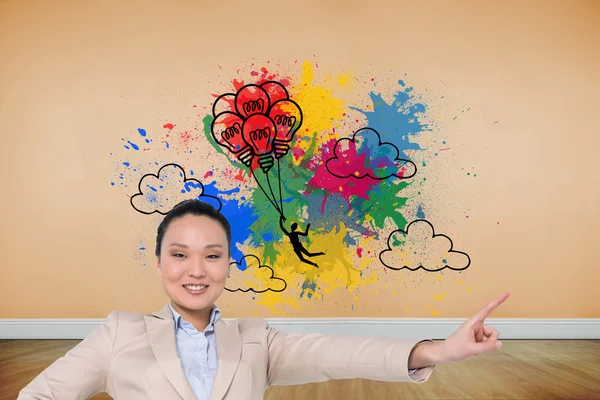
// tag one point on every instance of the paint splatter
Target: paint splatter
(346, 215)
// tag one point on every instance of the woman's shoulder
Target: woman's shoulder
(124, 317)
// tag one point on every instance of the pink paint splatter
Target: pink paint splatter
(297, 153)
(346, 187)
(359, 252)
(209, 173)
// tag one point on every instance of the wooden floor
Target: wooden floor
(522, 369)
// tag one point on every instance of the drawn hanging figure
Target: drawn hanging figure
(294, 236)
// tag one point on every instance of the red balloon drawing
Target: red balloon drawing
(257, 124)
(250, 100)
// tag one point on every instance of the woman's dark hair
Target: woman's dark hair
(193, 207)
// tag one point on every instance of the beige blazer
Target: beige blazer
(134, 356)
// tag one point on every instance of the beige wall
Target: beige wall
(77, 76)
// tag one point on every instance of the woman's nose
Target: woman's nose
(197, 269)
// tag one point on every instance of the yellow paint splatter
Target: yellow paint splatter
(460, 283)
(345, 80)
(469, 289)
(321, 111)
(437, 297)
(434, 312)
(336, 270)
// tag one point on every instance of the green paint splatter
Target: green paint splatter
(384, 203)
(207, 121)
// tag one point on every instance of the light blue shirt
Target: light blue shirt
(197, 352)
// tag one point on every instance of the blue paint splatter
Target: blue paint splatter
(147, 140)
(444, 261)
(112, 184)
(126, 164)
(142, 131)
(154, 189)
(167, 143)
(234, 190)
(191, 172)
(142, 248)
(397, 122)
(191, 184)
(241, 217)
(267, 237)
(135, 146)
(420, 212)
(308, 285)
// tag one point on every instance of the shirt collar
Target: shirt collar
(215, 313)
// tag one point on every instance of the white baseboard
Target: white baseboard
(439, 328)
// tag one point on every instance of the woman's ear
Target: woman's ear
(158, 266)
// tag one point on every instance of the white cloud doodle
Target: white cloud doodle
(161, 192)
(254, 277)
(418, 247)
(364, 155)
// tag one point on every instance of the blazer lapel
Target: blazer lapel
(229, 352)
(161, 332)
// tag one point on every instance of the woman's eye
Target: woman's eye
(214, 256)
(178, 255)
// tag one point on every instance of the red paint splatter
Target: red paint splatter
(498, 223)
(359, 252)
(168, 126)
(240, 176)
(447, 148)
(209, 173)
(467, 216)
(237, 84)
(194, 105)
(385, 270)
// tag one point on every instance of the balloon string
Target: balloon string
(273, 194)
(263, 190)
(279, 179)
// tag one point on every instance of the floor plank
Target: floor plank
(522, 369)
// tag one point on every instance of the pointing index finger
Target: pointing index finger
(487, 310)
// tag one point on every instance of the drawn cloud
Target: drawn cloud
(366, 156)
(161, 192)
(254, 277)
(419, 247)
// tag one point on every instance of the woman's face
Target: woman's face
(194, 262)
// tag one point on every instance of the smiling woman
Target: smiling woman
(186, 351)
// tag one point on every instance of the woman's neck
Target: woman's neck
(198, 318)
